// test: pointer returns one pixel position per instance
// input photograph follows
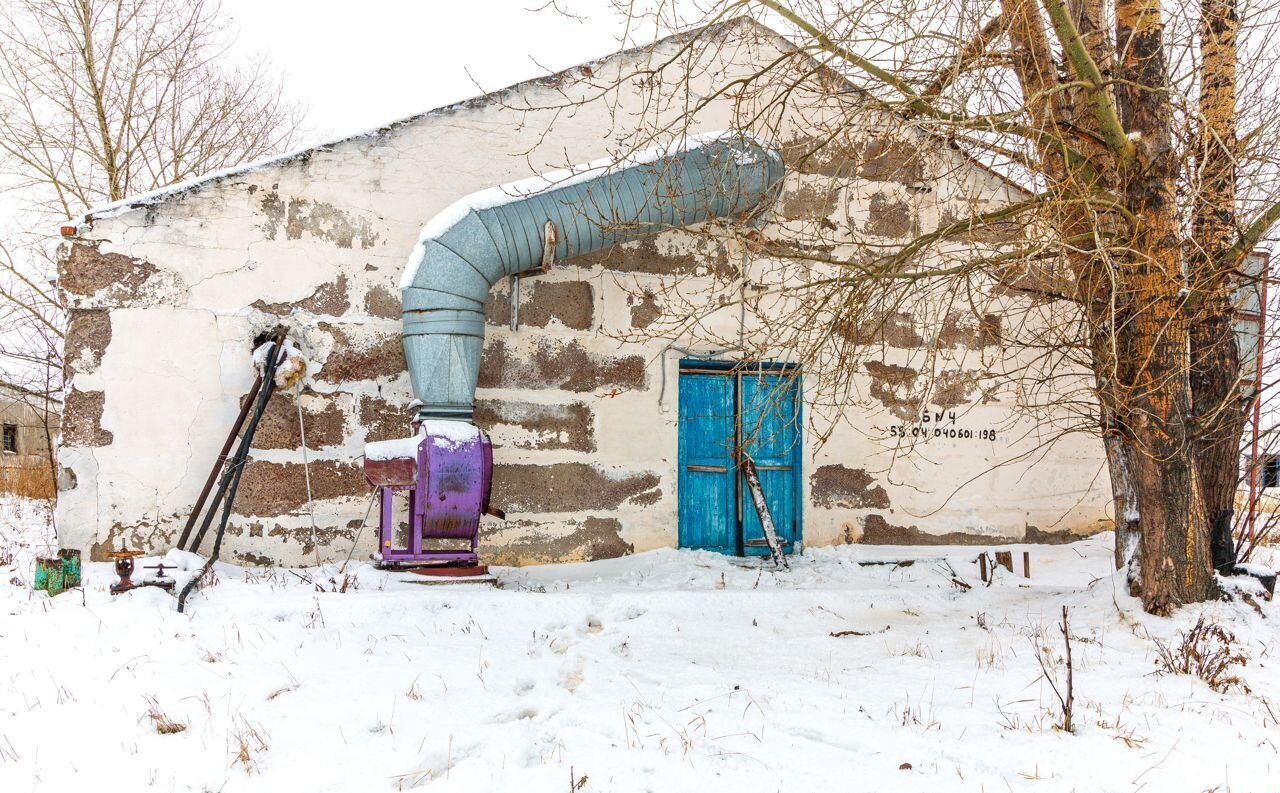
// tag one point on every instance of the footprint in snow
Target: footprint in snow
(632, 612)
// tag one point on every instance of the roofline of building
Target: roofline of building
(718, 28)
(170, 192)
(6, 386)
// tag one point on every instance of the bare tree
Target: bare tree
(1144, 136)
(107, 98)
(99, 100)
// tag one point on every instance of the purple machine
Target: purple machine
(447, 468)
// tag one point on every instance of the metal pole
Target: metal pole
(219, 462)
(234, 471)
(1257, 397)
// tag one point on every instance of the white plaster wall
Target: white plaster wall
(179, 355)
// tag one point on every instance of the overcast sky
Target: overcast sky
(356, 66)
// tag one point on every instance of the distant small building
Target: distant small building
(28, 424)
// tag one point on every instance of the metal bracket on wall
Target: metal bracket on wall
(515, 302)
(549, 237)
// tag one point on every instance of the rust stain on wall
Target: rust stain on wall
(88, 334)
(316, 218)
(1064, 536)
(523, 542)
(849, 488)
(694, 256)
(384, 420)
(888, 217)
(82, 419)
(566, 487)
(809, 202)
(560, 426)
(279, 428)
(270, 489)
(875, 159)
(382, 303)
(572, 303)
(644, 310)
(86, 271)
(892, 385)
(141, 536)
(878, 531)
(895, 330)
(329, 299)
(367, 356)
(969, 332)
(556, 364)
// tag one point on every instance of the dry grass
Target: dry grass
(247, 741)
(1207, 651)
(163, 724)
(29, 478)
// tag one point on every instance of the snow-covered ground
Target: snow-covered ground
(663, 671)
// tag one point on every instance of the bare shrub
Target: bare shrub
(1207, 651)
(29, 479)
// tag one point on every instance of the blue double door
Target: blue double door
(726, 414)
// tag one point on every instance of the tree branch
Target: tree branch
(1108, 120)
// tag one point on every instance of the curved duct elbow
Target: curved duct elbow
(498, 232)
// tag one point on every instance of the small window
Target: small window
(1270, 469)
(11, 438)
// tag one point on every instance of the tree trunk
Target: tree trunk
(1155, 331)
(1220, 420)
(1215, 358)
(1124, 502)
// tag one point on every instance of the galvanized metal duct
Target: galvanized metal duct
(498, 232)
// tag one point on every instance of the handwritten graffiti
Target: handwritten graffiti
(942, 424)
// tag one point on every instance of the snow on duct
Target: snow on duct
(498, 232)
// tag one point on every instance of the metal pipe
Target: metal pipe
(499, 232)
(234, 471)
(242, 450)
(219, 462)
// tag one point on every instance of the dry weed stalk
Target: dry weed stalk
(29, 479)
(247, 740)
(1207, 651)
(1066, 694)
(163, 724)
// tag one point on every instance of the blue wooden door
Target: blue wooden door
(707, 487)
(769, 434)
(724, 412)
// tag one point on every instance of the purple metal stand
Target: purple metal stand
(448, 481)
